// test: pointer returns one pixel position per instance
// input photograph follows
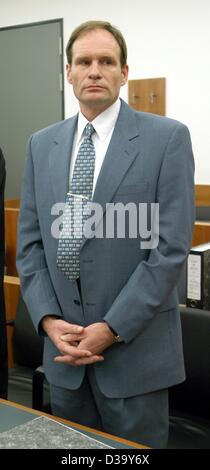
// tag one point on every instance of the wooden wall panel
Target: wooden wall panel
(148, 95)
(201, 233)
(11, 221)
(12, 203)
(202, 195)
(11, 294)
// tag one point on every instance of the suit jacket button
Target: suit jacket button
(77, 302)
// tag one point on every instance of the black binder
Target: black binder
(198, 277)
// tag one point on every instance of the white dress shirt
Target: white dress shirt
(104, 125)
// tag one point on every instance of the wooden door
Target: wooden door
(147, 95)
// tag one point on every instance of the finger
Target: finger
(77, 362)
(71, 349)
(74, 352)
(71, 343)
(69, 337)
(73, 329)
(88, 360)
(64, 360)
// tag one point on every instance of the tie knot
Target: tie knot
(89, 129)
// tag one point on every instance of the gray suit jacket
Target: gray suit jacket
(149, 159)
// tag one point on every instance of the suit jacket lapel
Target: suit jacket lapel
(59, 158)
(122, 151)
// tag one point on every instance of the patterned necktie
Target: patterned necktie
(80, 193)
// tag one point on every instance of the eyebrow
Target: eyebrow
(102, 57)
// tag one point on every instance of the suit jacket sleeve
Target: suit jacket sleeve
(37, 288)
(149, 288)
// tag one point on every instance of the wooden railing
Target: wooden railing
(11, 295)
(12, 203)
(201, 230)
(11, 279)
(201, 233)
(12, 284)
(202, 195)
(11, 221)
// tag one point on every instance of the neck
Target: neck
(91, 113)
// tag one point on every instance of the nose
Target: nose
(94, 70)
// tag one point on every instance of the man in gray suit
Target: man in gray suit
(112, 335)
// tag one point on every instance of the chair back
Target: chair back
(193, 395)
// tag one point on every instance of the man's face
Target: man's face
(96, 72)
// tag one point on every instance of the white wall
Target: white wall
(165, 38)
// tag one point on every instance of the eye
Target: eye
(83, 62)
(106, 61)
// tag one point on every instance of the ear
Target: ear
(124, 74)
(68, 73)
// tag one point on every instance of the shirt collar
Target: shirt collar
(103, 123)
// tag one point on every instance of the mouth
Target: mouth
(94, 87)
